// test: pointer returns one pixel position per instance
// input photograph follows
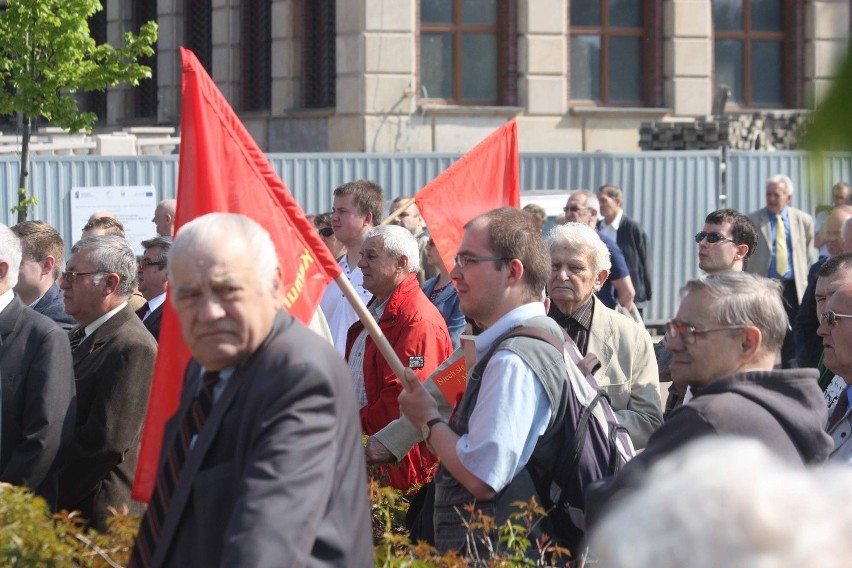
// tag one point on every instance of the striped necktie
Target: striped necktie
(840, 409)
(167, 478)
(76, 337)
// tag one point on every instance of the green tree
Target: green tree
(47, 56)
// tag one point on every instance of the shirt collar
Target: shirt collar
(93, 327)
(509, 320)
(616, 221)
(156, 302)
(6, 298)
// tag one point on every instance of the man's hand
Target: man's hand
(376, 453)
(417, 405)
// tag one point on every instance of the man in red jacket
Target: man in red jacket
(389, 262)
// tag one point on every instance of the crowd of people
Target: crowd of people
(265, 460)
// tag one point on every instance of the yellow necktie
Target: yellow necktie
(780, 246)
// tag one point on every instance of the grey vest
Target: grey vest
(450, 495)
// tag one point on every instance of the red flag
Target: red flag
(483, 179)
(223, 170)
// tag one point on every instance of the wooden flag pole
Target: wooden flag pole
(372, 328)
(405, 205)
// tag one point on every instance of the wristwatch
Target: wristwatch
(427, 428)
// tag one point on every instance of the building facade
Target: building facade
(439, 75)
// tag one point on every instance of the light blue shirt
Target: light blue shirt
(785, 218)
(511, 412)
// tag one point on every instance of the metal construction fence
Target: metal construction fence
(668, 193)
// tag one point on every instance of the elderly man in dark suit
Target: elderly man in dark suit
(38, 386)
(43, 256)
(262, 465)
(153, 282)
(113, 364)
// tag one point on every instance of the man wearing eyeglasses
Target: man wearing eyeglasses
(724, 341)
(153, 281)
(509, 402)
(836, 335)
(113, 364)
(37, 388)
(784, 250)
(833, 275)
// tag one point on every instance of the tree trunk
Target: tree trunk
(23, 194)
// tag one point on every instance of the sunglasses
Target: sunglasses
(830, 318)
(712, 238)
(326, 232)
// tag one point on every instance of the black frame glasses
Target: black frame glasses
(712, 238)
(71, 276)
(688, 332)
(463, 260)
(149, 262)
(574, 209)
(831, 318)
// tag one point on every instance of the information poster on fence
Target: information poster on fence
(132, 205)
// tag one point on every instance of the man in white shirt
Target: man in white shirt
(357, 207)
(500, 273)
(153, 282)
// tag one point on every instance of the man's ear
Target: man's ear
(112, 280)
(4, 269)
(741, 252)
(601, 278)
(402, 262)
(752, 341)
(47, 265)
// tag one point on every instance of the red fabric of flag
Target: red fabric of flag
(223, 170)
(485, 178)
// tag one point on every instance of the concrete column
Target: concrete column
(826, 44)
(543, 56)
(688, 55)
(170, 19)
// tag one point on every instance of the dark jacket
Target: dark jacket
(38, 398)
(113, 368)
(52, 305)
(152, 322)
(634, 245)
(784, 409)
(276, 476)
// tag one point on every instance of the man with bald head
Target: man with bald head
(262, 464)
(164, 217)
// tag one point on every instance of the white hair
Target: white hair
(10, 251)
(397, 241)
(577, 235)
(213, 226)
(726, 501)
(781, 178)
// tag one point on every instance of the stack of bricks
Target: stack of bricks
(745, 131)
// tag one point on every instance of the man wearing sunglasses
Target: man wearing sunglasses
(724, 341)
(783, 252)
(836, 335)
(726, 242)
(153, 281)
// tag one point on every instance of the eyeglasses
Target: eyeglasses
(71, 276)
(149, 262)
(463, 260)
(326, 232)
(574, 209)
(830, 318)
(687, 332)
(712, 238)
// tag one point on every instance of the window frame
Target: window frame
(505, 31)
(651, 36)
(790, 50)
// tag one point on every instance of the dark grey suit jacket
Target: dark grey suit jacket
(52, 305)
(38, 398)
(276, 476)
(152, 322)
(113, 369)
